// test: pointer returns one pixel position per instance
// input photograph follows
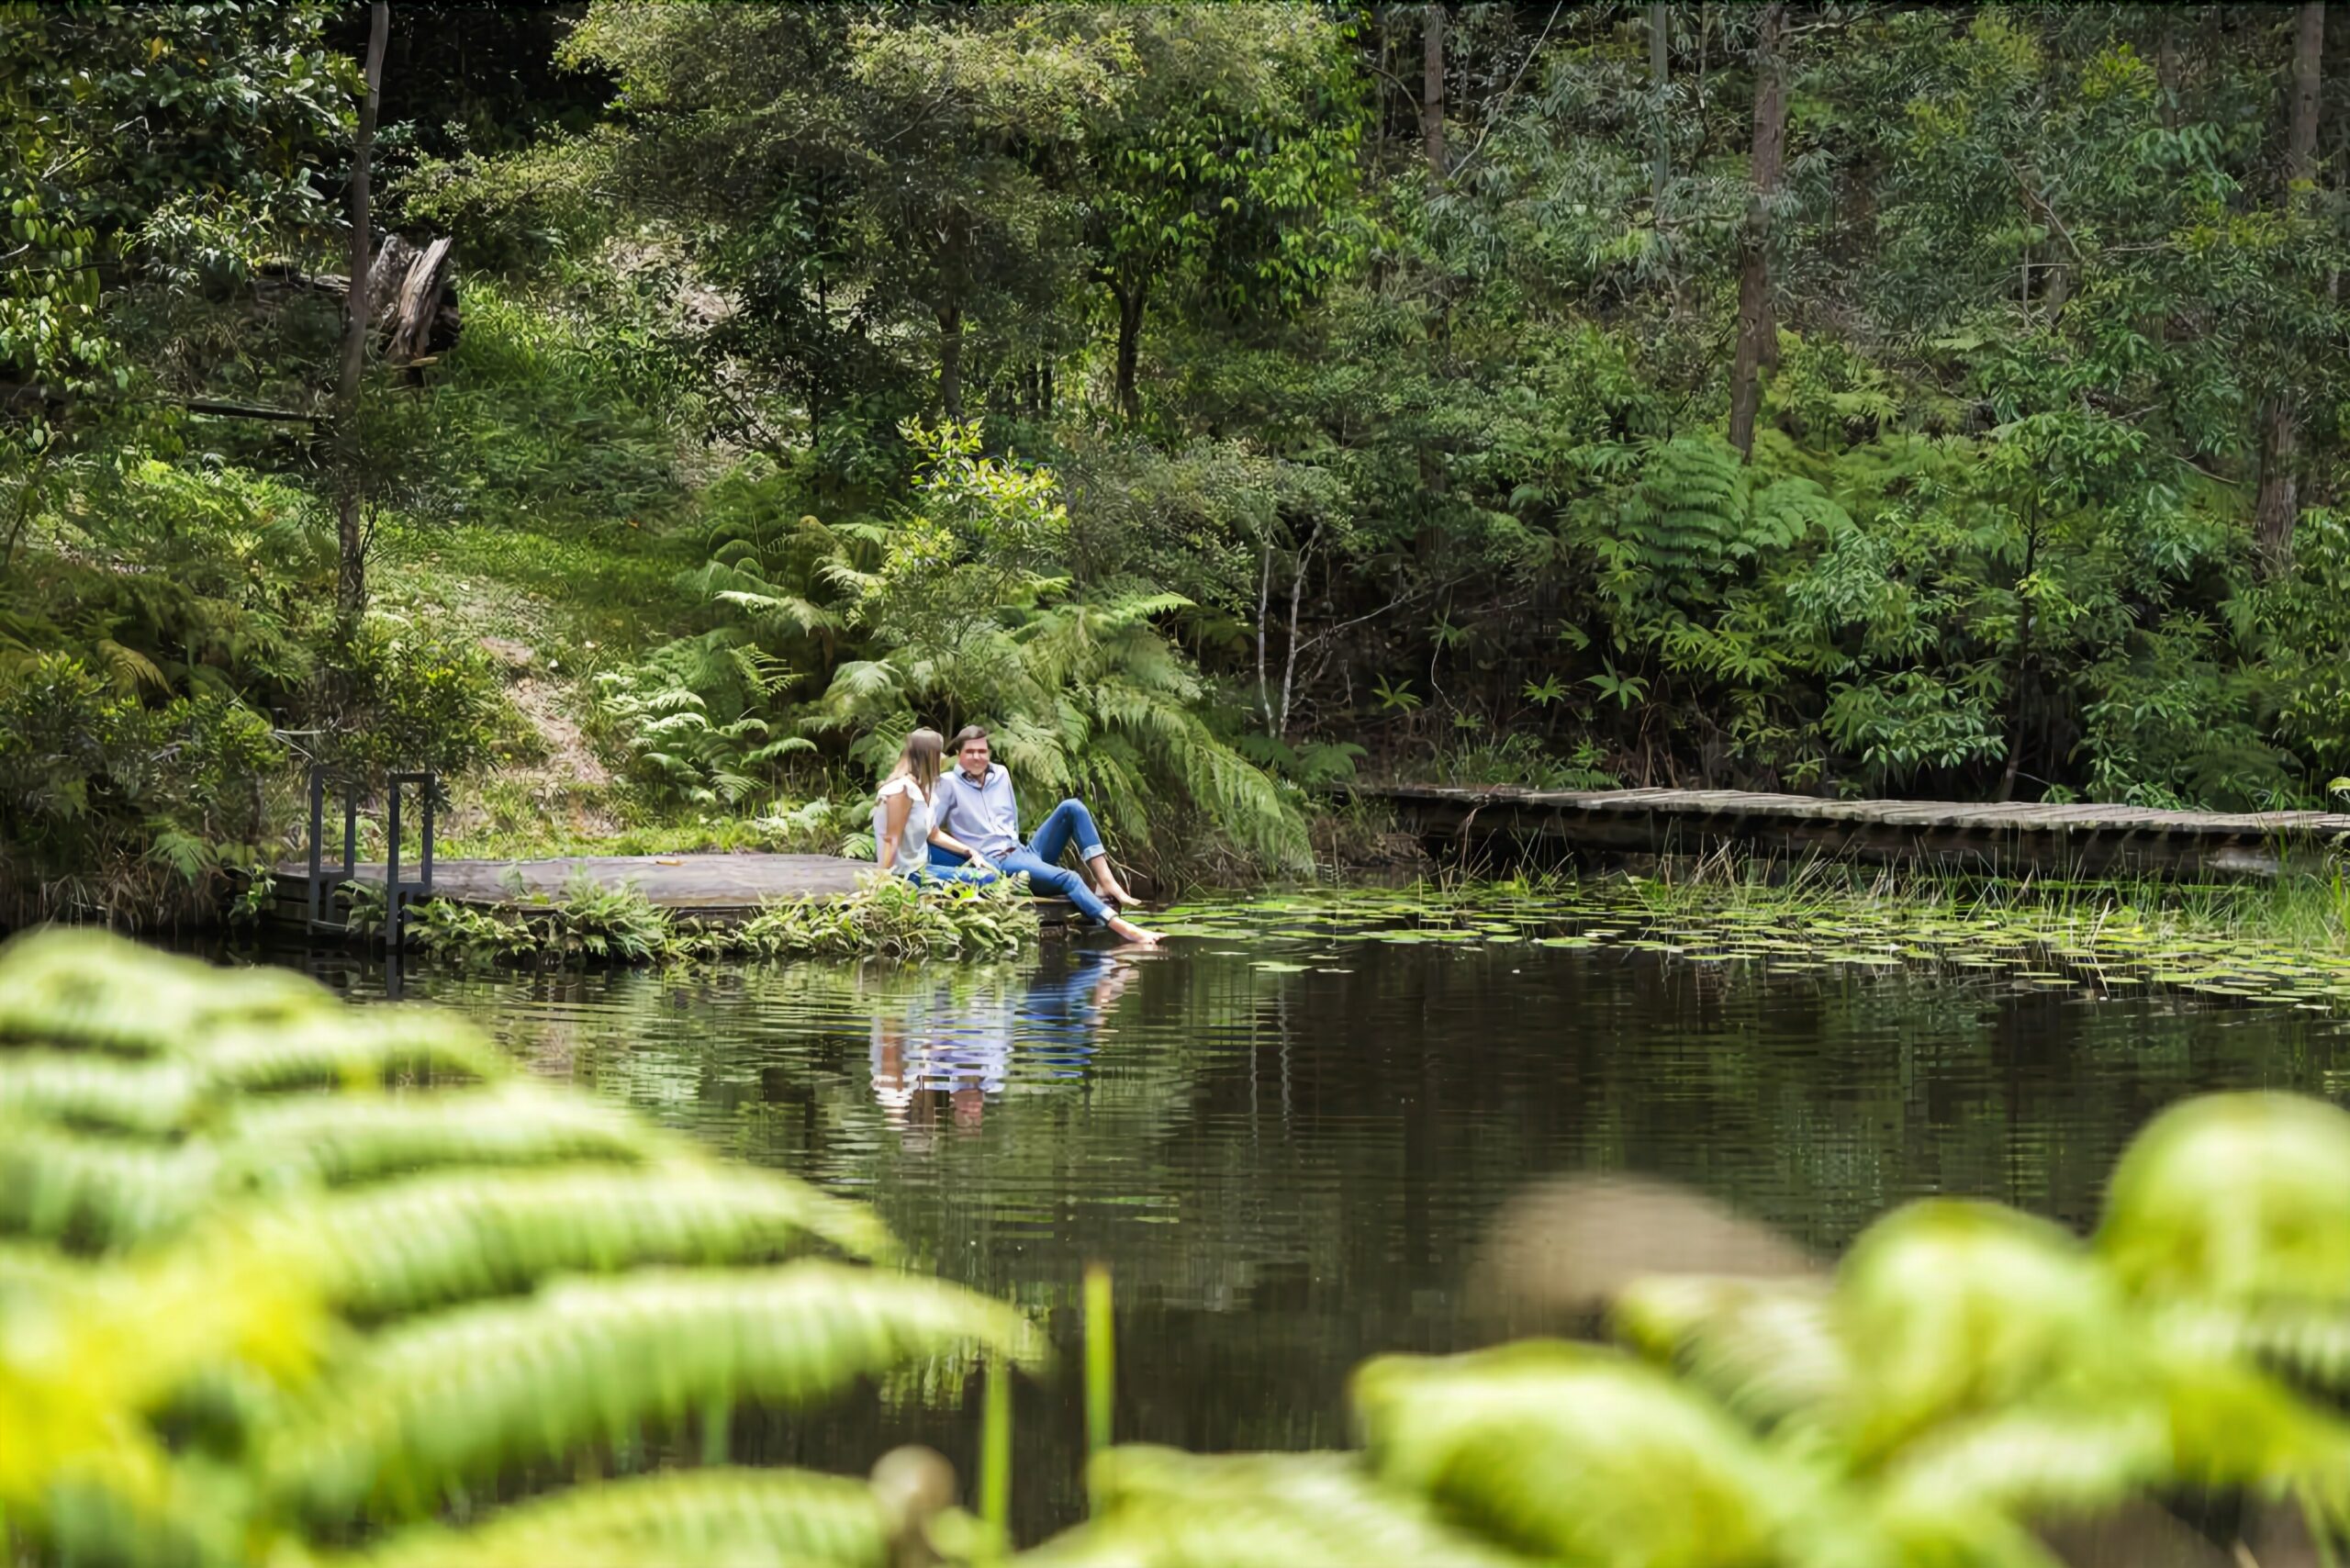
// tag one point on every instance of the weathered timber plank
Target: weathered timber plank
(2038, 836)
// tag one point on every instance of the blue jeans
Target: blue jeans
(1069, 823)
(944, 867)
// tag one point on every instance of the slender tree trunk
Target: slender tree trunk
(954, 287)
(950, 361)
(1661, 80)
(1131, 303)
(2277, 504)
(1755, 324)
(351, 578)
(1432, 89)
(2309, 51)
(2167, 71)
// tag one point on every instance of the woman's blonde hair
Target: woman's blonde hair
(920, 761)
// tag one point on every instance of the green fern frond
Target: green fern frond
(1767, 1348)
(2035, 1461)
(2234, 1197)
(338, 1139)
(1581, 1454)
(1965, 1307)
(718, 1516)
(86, 990)
(460, 1395)
(454, 1236)
(360, 1048)
(86, 1089)
(1164, 1508)
(2307, 1341)
(96, 1193)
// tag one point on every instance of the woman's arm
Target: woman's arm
(953, 846)
(894, 812)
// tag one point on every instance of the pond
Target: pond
(1286, 1132)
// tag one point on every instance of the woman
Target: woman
(903, 828)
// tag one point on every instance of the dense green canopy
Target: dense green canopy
(1875, 398)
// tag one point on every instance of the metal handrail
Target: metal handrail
(397, 893)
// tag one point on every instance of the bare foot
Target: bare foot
(1133, 933)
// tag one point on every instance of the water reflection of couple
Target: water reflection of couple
(961, 823)
(960, 1048)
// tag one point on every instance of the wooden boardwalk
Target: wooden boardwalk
(719, 889)
(1502, 822)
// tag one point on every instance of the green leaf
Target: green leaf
(716, 1517)
(459, 1398)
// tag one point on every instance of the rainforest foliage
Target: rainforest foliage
(1213, 399)
(282, 1281)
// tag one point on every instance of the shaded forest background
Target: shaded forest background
(1217, 400)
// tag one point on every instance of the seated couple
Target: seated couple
(962, 825)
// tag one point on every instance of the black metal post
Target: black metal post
(392, 868)
(318, 836)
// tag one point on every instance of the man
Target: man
(976, 823)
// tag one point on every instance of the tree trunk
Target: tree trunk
(2309, 50)
(2277, 504)
(950, 361)
(1130, 310)
(2166, 72)
(1432, 89)
(1660, 81)
(351, 578)
(1755, 324)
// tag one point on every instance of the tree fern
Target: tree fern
(1767, 1348)
(352, 1138)
(1162, 1509)
(362, 1047)
(2236, 1197)
(80, 990)
(1567, 1452)
(429, 1240)
(96, 1193)
(718, 1516)
(206, 1387)
(80, 1089)
(457, 1397)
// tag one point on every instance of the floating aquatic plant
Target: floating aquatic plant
(2229, 944)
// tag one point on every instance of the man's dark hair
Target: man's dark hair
(966, 734)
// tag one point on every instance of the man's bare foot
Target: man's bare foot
(1133, 933)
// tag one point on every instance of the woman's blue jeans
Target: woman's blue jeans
(1068, 823)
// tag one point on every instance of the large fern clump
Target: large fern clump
(278, 1278)
(1972, 1388)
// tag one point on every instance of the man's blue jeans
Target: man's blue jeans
(1069, 823)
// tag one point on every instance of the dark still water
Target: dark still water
(1287, 1148)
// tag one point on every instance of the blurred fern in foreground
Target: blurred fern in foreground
(1975, 1388)
(276, 1275)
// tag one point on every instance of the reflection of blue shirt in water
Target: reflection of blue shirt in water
(1059, 1019)
(950, 1043)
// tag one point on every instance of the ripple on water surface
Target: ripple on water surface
(1285, 1131)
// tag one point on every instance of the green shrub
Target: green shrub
(114, 809)
(895, 917)
(400, 698)
(886, 917)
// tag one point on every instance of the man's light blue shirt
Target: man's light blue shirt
(983, 815)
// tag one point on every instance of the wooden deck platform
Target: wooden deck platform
(1504, 822)
(721, 888)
